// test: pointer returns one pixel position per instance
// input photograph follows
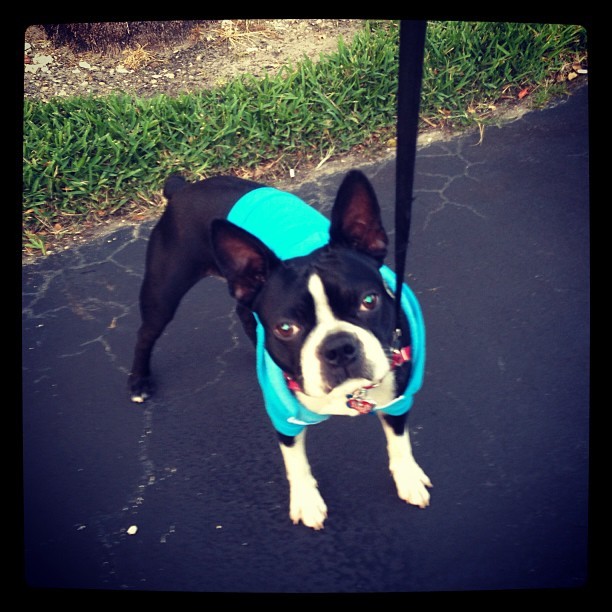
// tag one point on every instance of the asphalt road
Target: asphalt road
(499, 258)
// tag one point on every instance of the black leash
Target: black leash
(411, 51)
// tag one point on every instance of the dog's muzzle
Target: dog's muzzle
(342, 357)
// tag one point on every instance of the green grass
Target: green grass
(99, 155)
(472, 65)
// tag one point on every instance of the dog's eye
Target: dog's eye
(286, 330)
(369, 302)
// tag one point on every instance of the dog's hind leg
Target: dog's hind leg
(159, 299)
(305, 501)
(410, 480)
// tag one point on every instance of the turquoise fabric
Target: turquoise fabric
(297, 230)
(282, 221)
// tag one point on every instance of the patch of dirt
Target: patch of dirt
(213, 53)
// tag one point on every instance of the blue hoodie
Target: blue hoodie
(298, 229)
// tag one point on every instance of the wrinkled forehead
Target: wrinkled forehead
(286, 295)
(344, 268)
(344, 276)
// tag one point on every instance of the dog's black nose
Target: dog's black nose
(340, 350)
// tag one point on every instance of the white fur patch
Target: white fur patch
(317, 396)
(410, 480)
(305, 501)
(334, 403)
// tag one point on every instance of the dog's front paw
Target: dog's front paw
(307, 505)
(412, 482)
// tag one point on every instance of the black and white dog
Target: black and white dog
(314, 298)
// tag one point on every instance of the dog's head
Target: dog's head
(328, 316)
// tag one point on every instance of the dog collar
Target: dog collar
(358, 400)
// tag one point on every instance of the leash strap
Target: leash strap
(411, 51)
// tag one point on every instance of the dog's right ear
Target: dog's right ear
(244, 260)
(356, 219)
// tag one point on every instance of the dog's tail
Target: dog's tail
(174, 183)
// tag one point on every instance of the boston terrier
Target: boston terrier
(314, 297)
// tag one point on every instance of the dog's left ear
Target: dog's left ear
(244, 260)
(355, 219)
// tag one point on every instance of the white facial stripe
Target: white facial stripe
(327, 324)
(322, 309)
